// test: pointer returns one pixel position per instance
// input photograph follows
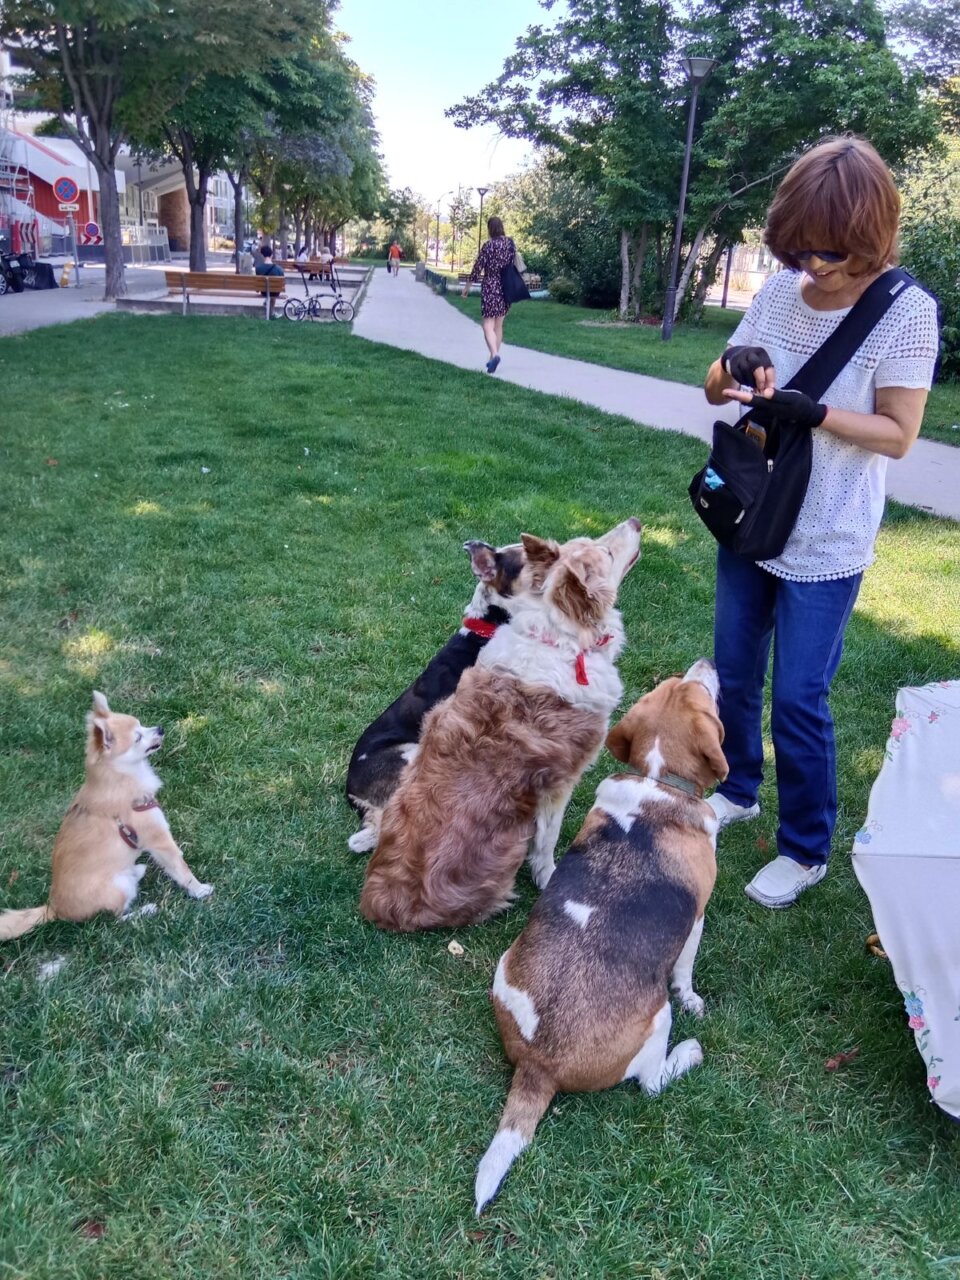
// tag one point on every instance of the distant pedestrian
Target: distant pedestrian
(394, 254)
(495, 254)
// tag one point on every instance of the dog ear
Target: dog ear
(100, 707)
(483, 560)
(582, 594)
(100, 735)
(620, 738)
(541, 555)
(711, 737)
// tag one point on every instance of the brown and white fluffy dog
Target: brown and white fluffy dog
(114, 818)
(581, 997)
(499, 758)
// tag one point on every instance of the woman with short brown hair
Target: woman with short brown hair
(833, 222)
(495, 254)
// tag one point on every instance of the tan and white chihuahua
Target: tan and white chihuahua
(113, 819)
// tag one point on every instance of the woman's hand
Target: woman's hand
(740, 366)
(787, 406)
(750, 367)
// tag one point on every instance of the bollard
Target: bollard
(65, 275)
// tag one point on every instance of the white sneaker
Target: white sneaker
(781, 882)
(727, 812)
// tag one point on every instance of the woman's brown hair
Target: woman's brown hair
(839, 196)
(495, 228)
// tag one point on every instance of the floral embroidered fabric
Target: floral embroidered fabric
(907, 858)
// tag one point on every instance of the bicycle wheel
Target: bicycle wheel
(294, 309)
(343, 310)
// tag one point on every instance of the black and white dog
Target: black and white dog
(386, 745)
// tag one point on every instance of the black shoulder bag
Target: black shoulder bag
(750, 494)
(513, 284)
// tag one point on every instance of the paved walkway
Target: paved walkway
(401, 313)
(33, 309)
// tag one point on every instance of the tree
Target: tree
(317, 151)
(596, 90)
(602, 90)
(463, 218)
(103, 66)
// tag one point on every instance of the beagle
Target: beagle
(582, 996)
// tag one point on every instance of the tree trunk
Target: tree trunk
(94, 99)
(282, 234)
(687, 271)
(707, 277)
(198, 232)
(640, 257)
(237, 214)
(115, 283)
(624, 273)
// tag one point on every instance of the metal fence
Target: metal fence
(436, 281)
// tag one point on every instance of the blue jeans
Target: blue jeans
(806, 621)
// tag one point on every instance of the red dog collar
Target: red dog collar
(581, 660)
(479, 627)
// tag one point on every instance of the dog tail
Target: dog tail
(15, 923)
(530, 1094)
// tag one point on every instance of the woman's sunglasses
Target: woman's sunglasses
(825, 255)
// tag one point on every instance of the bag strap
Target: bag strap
(829, 360)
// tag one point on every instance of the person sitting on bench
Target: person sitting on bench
(266, 266)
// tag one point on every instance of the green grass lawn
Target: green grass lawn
(594, 336)
(254, 536)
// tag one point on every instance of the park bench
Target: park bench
(190, 282)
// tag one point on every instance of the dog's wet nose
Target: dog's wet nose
(160, 730)
(634, 523)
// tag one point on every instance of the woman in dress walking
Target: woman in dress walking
(495, 254)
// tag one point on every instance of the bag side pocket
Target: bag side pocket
(725, 489)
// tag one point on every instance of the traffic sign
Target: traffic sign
(66, 189)
(91, 229)
(91, 234)
(69, 208)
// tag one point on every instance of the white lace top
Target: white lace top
(838, 522)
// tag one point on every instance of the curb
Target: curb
(362, 292)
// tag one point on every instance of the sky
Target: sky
(426, 57)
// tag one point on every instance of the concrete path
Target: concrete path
(33, 309)
(401, 313)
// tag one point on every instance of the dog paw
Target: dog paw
(148, 909)
(688, 1054)
(200, 890)
(542, 874)
(363, 841)
(693, 1004)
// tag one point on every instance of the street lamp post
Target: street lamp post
(436, 247)
(483, 191)
(697, 70)
(140, 190)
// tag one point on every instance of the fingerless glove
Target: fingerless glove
(787, 406)
(741, 362)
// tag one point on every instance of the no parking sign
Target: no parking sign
(91, 234)
(66, 190)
